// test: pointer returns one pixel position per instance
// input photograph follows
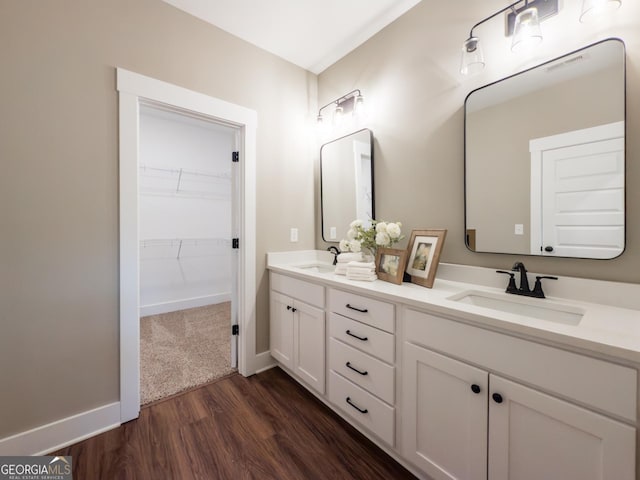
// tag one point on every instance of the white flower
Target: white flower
(393, 229)
(356, 223)
(351, 234)
(344, 245)
(355, 246)
(382, 238)
(381, 227)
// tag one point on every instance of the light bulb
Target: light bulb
(526, 32)
(359, 105)
(592, 9)
(338, 115)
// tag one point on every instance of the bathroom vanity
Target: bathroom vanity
(463, 381)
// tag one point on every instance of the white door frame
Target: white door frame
(133, 89)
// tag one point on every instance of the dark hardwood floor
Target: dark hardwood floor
(263, 427)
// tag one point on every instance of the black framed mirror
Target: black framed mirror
(346, 183)
(545, 158)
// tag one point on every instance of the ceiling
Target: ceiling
(312, 34)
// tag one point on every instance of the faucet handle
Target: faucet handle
(537, 288)
(511, 288)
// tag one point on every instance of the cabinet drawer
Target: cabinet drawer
(361, 406)
(375, 376)
(375, 342)
(299, 289)
(603, 385)
(364, 309)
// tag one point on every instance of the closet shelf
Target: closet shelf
(176, 244)
(156, 180)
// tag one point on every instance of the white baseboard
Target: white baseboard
(61, 433)
(174, 306)
(263, 361)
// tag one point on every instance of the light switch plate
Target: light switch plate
(294, 235)
(333, 233)
(519, 229)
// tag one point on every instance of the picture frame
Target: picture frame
(424, 249)
(390, 264)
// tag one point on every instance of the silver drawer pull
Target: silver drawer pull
(355, 406)
(364, 339)
(348, 365)
(361, 310)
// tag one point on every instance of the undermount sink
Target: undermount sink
(318, 268)
(529, 307)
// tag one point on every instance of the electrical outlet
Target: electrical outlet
(519, 229)
(294, 235)
(333, 233)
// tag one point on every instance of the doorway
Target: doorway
(186, 206)
(134, 91)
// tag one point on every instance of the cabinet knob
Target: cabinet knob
(497, 397)
(288, 307)
(548, 248)
(475, 388)
(293, 309)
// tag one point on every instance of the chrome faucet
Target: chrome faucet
(333, 249)
(524, 288)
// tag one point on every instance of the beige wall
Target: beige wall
(410, 73)
(59, 181)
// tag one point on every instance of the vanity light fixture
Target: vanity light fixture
(352, 102)
(523, 23)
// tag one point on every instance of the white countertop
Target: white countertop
(604, 329)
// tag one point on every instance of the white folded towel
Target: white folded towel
(366, 278)
(347, 257)
(362, 265)
(360, 273)
(341, 269)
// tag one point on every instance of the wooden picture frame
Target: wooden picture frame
(390, 264)
(424, 249)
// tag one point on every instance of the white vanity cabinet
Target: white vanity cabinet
(297, 328)
(462, 419)
(361, 361)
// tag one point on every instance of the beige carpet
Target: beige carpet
(180, 350)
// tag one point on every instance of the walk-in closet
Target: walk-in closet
(186, 187)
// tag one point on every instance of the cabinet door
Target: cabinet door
(281, 329)
(309, 344)
(444, 420)
(534, 436)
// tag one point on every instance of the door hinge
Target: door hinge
(235, 243)
(235, 157)
(235, 330)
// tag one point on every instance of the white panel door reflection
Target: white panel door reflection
(581, 205)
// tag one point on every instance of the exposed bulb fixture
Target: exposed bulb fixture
(592, 9)
(338, 115)
(351, 103)
(524, 24)
(472, 56)
(358, 108)
(526, 32)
